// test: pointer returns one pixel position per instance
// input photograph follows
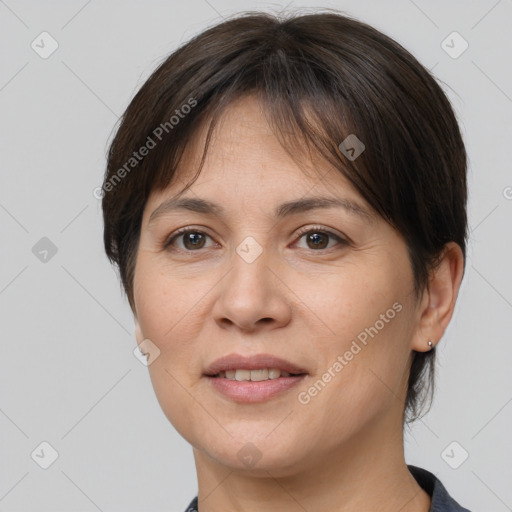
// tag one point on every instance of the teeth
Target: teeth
(274, 373)
(253, 375)
(258, 375)
(243, 375)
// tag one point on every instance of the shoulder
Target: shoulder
(441, 500)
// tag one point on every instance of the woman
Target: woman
(286, 202)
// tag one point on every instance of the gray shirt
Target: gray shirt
(441, 500)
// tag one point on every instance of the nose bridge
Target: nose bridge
(250, 268)
(249, 292)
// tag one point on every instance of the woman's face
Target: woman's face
(328, 289)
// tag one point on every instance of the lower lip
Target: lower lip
(250, 392)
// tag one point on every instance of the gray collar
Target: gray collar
(441, 500)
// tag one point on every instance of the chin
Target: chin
(258, 454)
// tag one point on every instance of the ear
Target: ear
(438, 300)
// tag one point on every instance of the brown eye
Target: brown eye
(192, 240)
(318, 239)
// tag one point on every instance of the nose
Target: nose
(252, 296)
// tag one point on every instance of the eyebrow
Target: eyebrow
(286, 209)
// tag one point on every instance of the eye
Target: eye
(193, 239)
(317, 238)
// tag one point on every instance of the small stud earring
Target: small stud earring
(430, 344)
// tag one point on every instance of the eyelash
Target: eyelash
(314, 229)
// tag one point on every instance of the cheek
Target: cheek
(364, 356)
(167, 311)
(166, 303)
(166, 314)
(348, 300)
(359, 382)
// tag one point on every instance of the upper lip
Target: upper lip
(251, 362)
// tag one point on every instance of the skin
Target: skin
(343, 450)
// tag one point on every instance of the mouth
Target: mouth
(254, 378)
(254, 367)
(254, 375)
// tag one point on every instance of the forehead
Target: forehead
(241, 141)
(246, 163)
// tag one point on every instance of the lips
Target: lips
(252, 379)
(233, 362)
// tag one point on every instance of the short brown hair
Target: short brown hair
(322, 77)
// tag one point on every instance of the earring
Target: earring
(430, 344)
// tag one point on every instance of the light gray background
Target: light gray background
(68, 374)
